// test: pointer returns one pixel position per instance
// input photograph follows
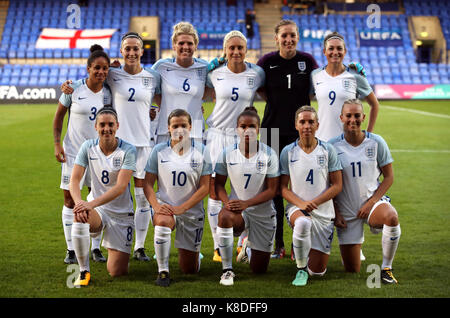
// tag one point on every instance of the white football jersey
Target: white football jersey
(104, 171)
(234, 92)
(361, 170)
(178, 176)
(309, 173)
(132, 98)
(83, 105)
(247, 176)
(331, 93)
(183, 88)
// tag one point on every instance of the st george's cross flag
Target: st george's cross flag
(73, 39)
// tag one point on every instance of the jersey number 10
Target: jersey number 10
(180, 180)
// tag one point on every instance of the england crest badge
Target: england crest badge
(146, 82)
(321, 160)
(260, 166)
(302, 66)
(370, 152)
(251, 82)
(117, 162)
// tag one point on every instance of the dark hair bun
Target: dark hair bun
(250, 109)
(96, 47)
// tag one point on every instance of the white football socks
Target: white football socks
(81, 242)
(225, 238)
(214, 207)
(96, 240)
(141, 217)
(242, 237)
(301, 239)
(67, 221)
(389, 243)
(162, 243)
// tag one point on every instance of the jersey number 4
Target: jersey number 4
(310, 176)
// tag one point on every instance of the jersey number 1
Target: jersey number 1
(289, 80)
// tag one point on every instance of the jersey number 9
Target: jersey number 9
(332, 96)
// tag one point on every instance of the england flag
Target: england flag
(71, 38)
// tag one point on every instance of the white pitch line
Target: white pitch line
(421, 150)
(416, 111)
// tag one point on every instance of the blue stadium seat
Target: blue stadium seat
(42, 81)
(33, 81)
(14, 80)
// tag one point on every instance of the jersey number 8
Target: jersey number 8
(105, 177)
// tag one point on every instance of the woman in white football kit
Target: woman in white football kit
(253, 169)
(111, 162)
(183, 80)
(234, 86)
(365, 157)
(311, 177)
(335, 83)
(89, 95)
(182, 168)
(133, 88)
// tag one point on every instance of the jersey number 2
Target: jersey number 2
(132, 90)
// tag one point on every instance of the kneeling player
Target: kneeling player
(364, 157)
(253, 170)
(182, 169)
(111, 162)
(310, 178)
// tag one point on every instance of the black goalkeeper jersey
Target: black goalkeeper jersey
(287, 88)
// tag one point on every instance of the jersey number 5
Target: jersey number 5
(234, 94)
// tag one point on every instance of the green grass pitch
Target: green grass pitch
(32, 245)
